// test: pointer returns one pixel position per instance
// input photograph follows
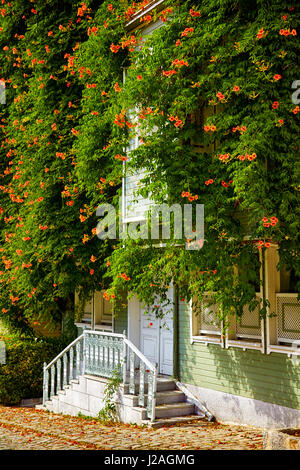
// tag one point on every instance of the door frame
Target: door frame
(134, 328)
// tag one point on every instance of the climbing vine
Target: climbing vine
(209, 95)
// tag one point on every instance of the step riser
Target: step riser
(170, 413)
(161, 387)
(163, 398)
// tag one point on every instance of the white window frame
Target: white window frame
(212, 337)
(146, 31)
(292, 346)
(245, 341)
(97, 311)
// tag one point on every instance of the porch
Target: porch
(75, 382)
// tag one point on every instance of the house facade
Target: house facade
(248, 375)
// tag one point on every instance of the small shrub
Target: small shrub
(22, 375)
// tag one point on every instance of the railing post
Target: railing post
(45, 384)
(84, 351)
(124, 358)
(142, 384)
(78, 346)
(65, 370)
(71, 356)
(52, 371)
(131, 373)
(58, 375)
(154, 392)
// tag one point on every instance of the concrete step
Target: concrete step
(162, 386)
(175, 420)
(174, 409)
(41, 407)
(169, 396)
(167, 411)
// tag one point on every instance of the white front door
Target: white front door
(156, 341)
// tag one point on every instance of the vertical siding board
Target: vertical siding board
(120, 313)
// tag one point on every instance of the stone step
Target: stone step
(174, 409)
(169, 396)
(162, 386)
(175, 420)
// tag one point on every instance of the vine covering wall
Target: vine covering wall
(216, 77)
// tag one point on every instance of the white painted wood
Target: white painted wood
(134, 319)
(149, 342)
(156, 337)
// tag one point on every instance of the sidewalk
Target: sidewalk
(30, 429)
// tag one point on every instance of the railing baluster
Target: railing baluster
(65, 370)
(150, 394)
(124, 358)
(142, 384)
(45, 384)
(78, 347)
(110, 355)
(71, 367)
(52, 391)
(131, 373)
(58, 366)
(152, 417)
(98, 357)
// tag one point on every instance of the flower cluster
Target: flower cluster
(269, 221)
(287, 32)
(189, 196)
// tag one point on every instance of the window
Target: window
(102, 312)
(288, 320)
(97, 313)
(135, 207)
(206, 326)
(287, 308)
(87, 315)
(246, 331)
(284, 326)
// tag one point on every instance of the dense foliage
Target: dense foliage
(212, 95)
(22, 375)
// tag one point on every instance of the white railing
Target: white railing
(102, 354)
(68, 365)
(147, 371)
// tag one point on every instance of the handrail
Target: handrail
(99, 353)
(152, 385)
(139, 354)
(64, 351)
(103, 333)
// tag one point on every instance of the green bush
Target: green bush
(22, 375)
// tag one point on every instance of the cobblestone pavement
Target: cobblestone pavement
(30, 429)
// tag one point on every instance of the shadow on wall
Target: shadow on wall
(272, 379)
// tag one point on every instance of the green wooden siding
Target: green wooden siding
(120, 314)
(272, 378)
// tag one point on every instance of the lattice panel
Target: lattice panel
(209, 321)
(88, 311)
(249, 324)
(288, 317)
